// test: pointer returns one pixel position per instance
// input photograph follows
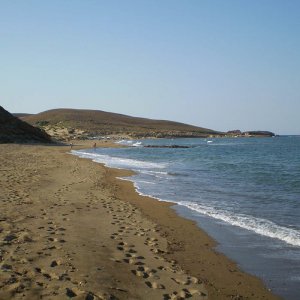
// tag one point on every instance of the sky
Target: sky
(222, 65)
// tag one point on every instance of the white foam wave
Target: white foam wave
(138, 190)
(117, 162)
(259, 226)
(130, 143)
(125, 142)
(137, 144)
(157, 174)
(145, 182)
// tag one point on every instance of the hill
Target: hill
(78, 123)
(14, 130)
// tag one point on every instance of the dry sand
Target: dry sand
(70, 229)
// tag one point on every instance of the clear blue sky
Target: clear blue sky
(218, 64)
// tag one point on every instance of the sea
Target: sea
(244, 192)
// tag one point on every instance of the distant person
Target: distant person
(71, 145)
(95, 145)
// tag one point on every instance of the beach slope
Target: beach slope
(70, 229)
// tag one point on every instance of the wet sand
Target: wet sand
(70, 229)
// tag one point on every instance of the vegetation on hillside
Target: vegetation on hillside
(76, 123)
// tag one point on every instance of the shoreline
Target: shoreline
(91, 217)
(224, 278)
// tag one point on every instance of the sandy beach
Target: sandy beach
(70, 229)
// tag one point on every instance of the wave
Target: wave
(137, 144)
(157, 174)
(145, 182)
(118, 162)
(125, 142)
(257, 225)
(130, 143)
(137, 189)
(260, 226)
(135, 182)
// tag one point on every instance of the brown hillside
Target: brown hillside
(14, 130)
(96, 122)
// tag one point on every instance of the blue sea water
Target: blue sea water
(245, 192)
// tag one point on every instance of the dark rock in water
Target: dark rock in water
(14, 130)
(167, 146)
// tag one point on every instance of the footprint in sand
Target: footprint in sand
(55, 263)
(186, 294)
(140, 274)
(155, 285)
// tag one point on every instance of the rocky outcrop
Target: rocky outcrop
(238, 133)
(234, 132)
(259, 133)
(14, 130)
